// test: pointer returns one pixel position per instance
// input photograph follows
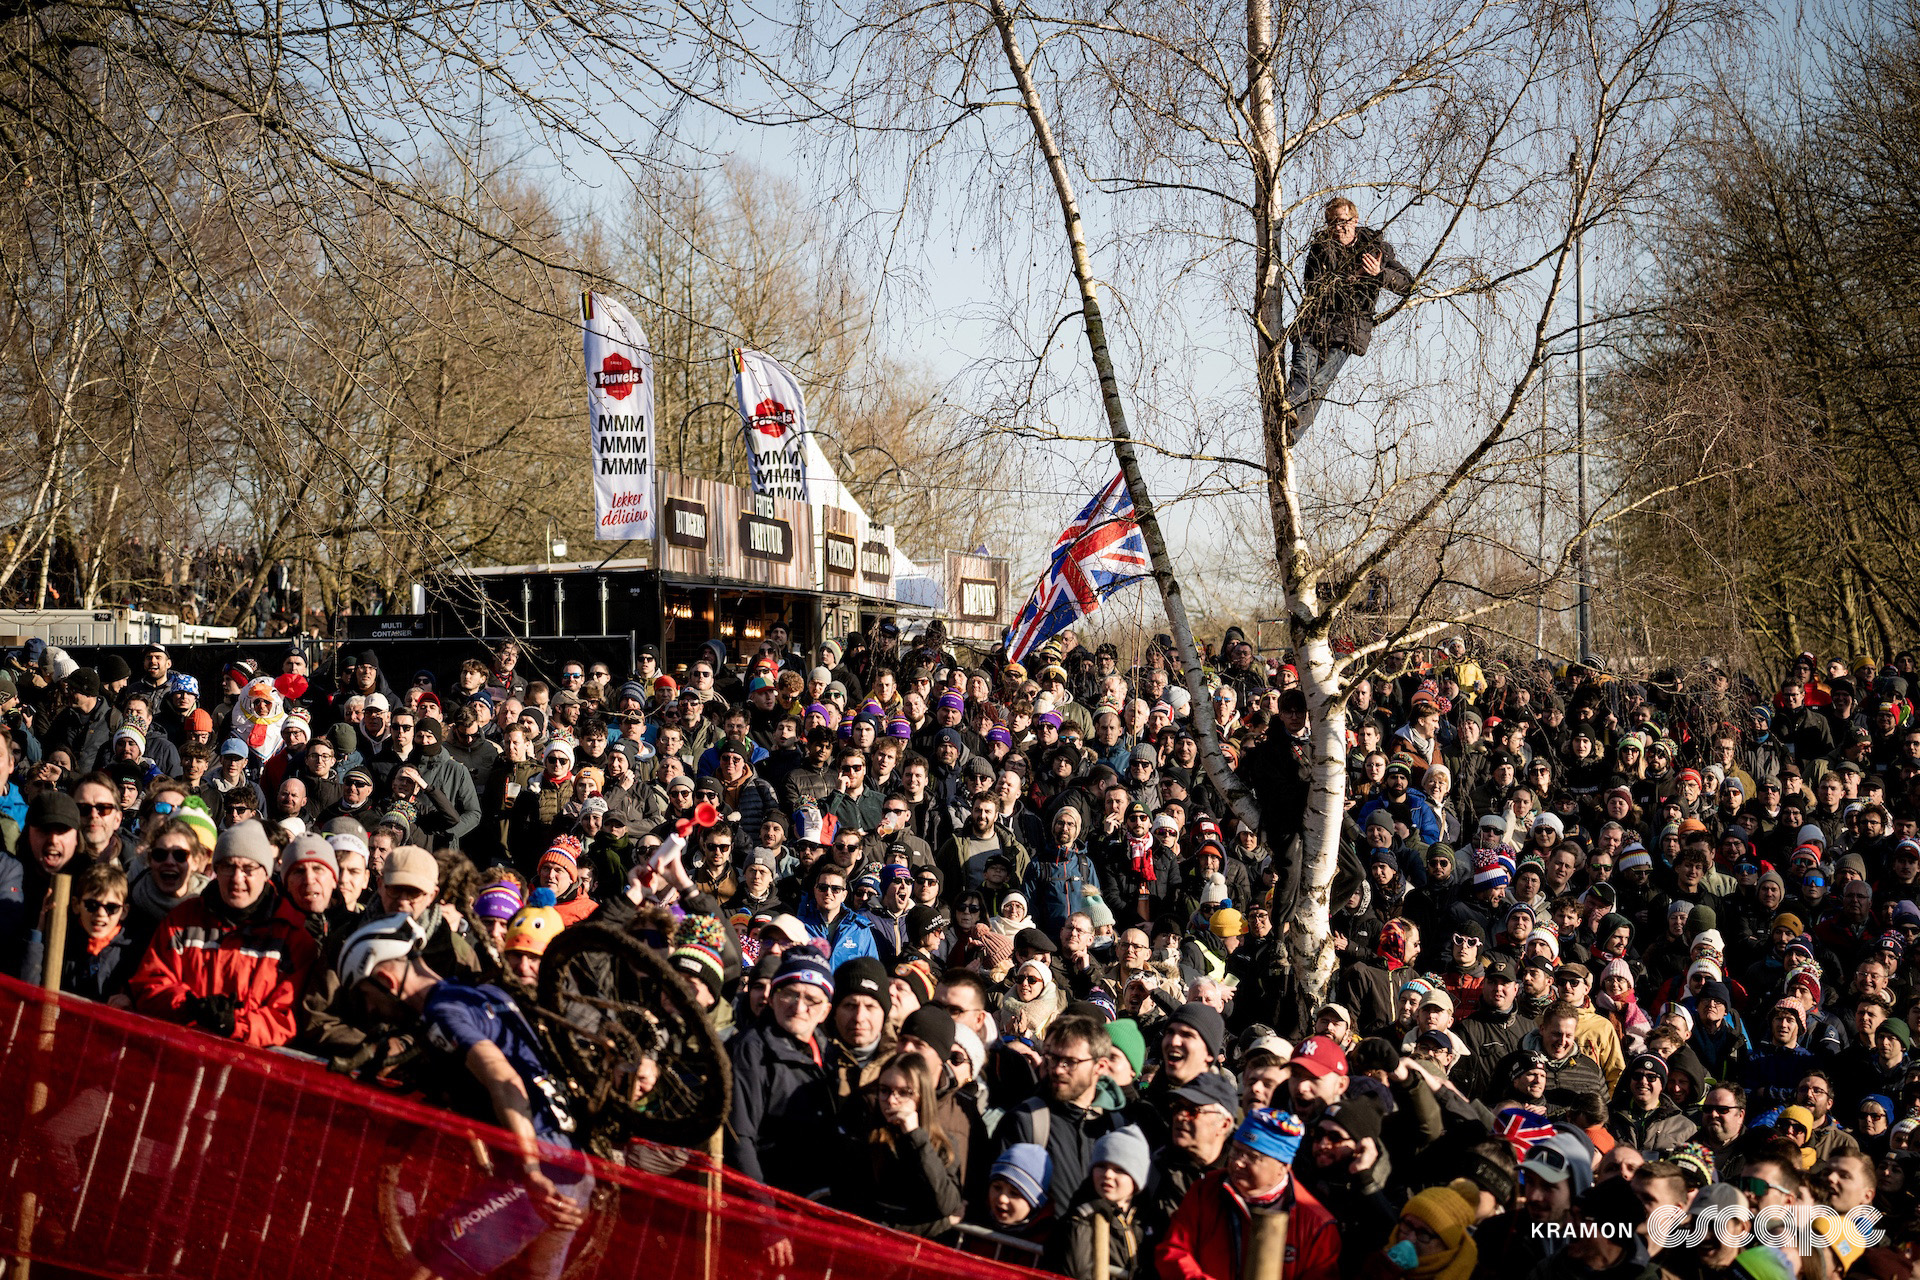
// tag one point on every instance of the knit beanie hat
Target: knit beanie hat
(1205, 1021)
(194, 813)
(564, 852)
(1126, 1037)
(1444, 1212)
(1271, 1132)
(1027, 1168)
(1126, 1150)
(863, 976)
(308, 848)
(972, 1045)
(245, 840)
(498, 901)
(804, 965)
(699, 951)
(932, 1025)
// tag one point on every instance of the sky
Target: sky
(948, 290)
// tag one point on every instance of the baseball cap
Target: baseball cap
(411, 867)
(1320, 1056)
(1209, 1089)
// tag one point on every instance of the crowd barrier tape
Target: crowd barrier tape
(158, 1151)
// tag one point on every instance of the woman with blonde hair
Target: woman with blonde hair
(174, 865)
(1437, 782)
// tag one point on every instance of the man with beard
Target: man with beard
(1064, 1116)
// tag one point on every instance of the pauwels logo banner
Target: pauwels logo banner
(774, 414)
(620, 409)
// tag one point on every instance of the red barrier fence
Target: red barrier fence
(133, 1148)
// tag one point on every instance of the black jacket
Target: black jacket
(906, 1186)
(1337, 302)
(777, 1128)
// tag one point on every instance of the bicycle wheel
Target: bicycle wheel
(643, 1059)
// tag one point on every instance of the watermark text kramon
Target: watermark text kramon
(1800, 1227)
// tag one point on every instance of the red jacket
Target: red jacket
(261, 964)
(1206, 1239)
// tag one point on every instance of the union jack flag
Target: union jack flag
(1522, 1129)
(1100, 552)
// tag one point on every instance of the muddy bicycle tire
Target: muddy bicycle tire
(607, 1002)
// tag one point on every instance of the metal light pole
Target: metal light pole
(1583, 613)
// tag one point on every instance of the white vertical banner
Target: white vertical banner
(620, 411)
(773, 413)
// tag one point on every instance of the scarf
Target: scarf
(147, 897)
(1141, 853)
(1446, 1213)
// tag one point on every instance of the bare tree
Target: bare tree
(1210, 137)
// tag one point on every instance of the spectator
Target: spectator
(228, 962)
(1210, 1232)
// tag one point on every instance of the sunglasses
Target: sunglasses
(169, 853)
(94, 906)
(1760, 1186)
(99, 810)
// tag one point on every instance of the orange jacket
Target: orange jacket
(1207, 1238)
(198, 951)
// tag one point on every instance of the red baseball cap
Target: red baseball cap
(1320, 1056)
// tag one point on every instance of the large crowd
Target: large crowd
(994, 961)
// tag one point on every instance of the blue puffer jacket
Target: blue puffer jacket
(1057, 884)
(849, 938)
(1419, 809)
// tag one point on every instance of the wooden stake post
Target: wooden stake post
(54, 960)
(1266, 1248)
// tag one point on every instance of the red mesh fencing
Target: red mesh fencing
(137, 1148)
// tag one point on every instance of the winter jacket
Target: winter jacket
(1490, 1037)
(1652, 1133)
(906, 1185)
(777, 1127)
(1568, 1082)
(849, 937)
(1338, 296)
(89, 974)
(1415, 808)
(1773, 1073)
(1070, 1248)
(1208, 1236)
(1057, 884)
(755, 802)
(83, 734)
(254, 958)
(1173, 1173)
(450, 778)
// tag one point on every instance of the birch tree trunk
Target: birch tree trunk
(1223, 779)
(1322, 678)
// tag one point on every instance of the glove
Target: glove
(214, 1014)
